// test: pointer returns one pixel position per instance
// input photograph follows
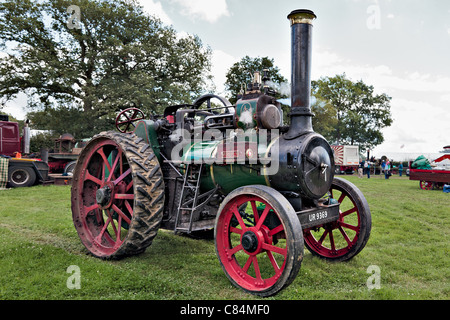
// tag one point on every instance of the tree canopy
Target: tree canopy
(79, 69)
(359, 113)
(241, 73)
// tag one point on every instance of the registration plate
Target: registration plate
(318, 216)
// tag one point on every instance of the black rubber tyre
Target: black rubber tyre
(118, 214)
(21, 176)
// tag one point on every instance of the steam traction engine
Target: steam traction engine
(266, 189)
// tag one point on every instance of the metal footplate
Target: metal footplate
(318, 216)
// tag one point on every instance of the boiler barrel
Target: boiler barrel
(222, 165)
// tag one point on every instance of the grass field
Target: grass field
(410, 244)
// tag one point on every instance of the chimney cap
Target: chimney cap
(302, 16)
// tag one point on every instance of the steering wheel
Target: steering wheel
(208, 97)
(127, 117)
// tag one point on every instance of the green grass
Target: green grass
(409, 243)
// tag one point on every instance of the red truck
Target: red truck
(16, 169)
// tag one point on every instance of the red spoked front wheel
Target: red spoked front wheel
(117, 195)
(343, 239)
(259, 241)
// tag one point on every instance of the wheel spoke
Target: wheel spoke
(324, 235)
(129, 186)
(255, 210)
(263, 217)
(273, 262)
(341, 198)
(276, 230)
(120, 213)
(333, 246)
(344, 234)
(236, 230)
(105, 159)
(349, 226)
(122, 176)
(88, 176)
(238, 217)
(89, 209)
(247, 264)
(130, 209)
(346, 213)
(117, 229)
(272, 248)
(235, 249)
(123, 196)
(105, 226)
(113, 168)
(256, 267)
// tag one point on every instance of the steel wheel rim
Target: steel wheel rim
(20, 177)
(255, 267)
(105, 220)
(336, 239)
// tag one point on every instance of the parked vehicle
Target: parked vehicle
(432, 178)
(346, 158)
(21, 171)
(188, 171)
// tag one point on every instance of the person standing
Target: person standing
(367, 168)
(387, 169)
(360, 169)
(400, 169)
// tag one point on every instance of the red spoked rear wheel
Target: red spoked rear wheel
(343, 239)
(117, 195)
(258, 240)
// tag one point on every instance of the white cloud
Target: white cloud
(16, 107)
(418, 127)
(418, 106)
(445, 98)
(206, 10)
(155, 8)
(382, 77)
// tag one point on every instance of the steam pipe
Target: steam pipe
(301, 39)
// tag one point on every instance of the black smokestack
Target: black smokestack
(301, 37)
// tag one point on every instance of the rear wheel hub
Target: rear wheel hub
(103, 196)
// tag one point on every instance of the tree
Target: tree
(241, 73)
(94, 62)
(324, 120)
(360, 113)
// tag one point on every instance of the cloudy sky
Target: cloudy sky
(401, 47)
